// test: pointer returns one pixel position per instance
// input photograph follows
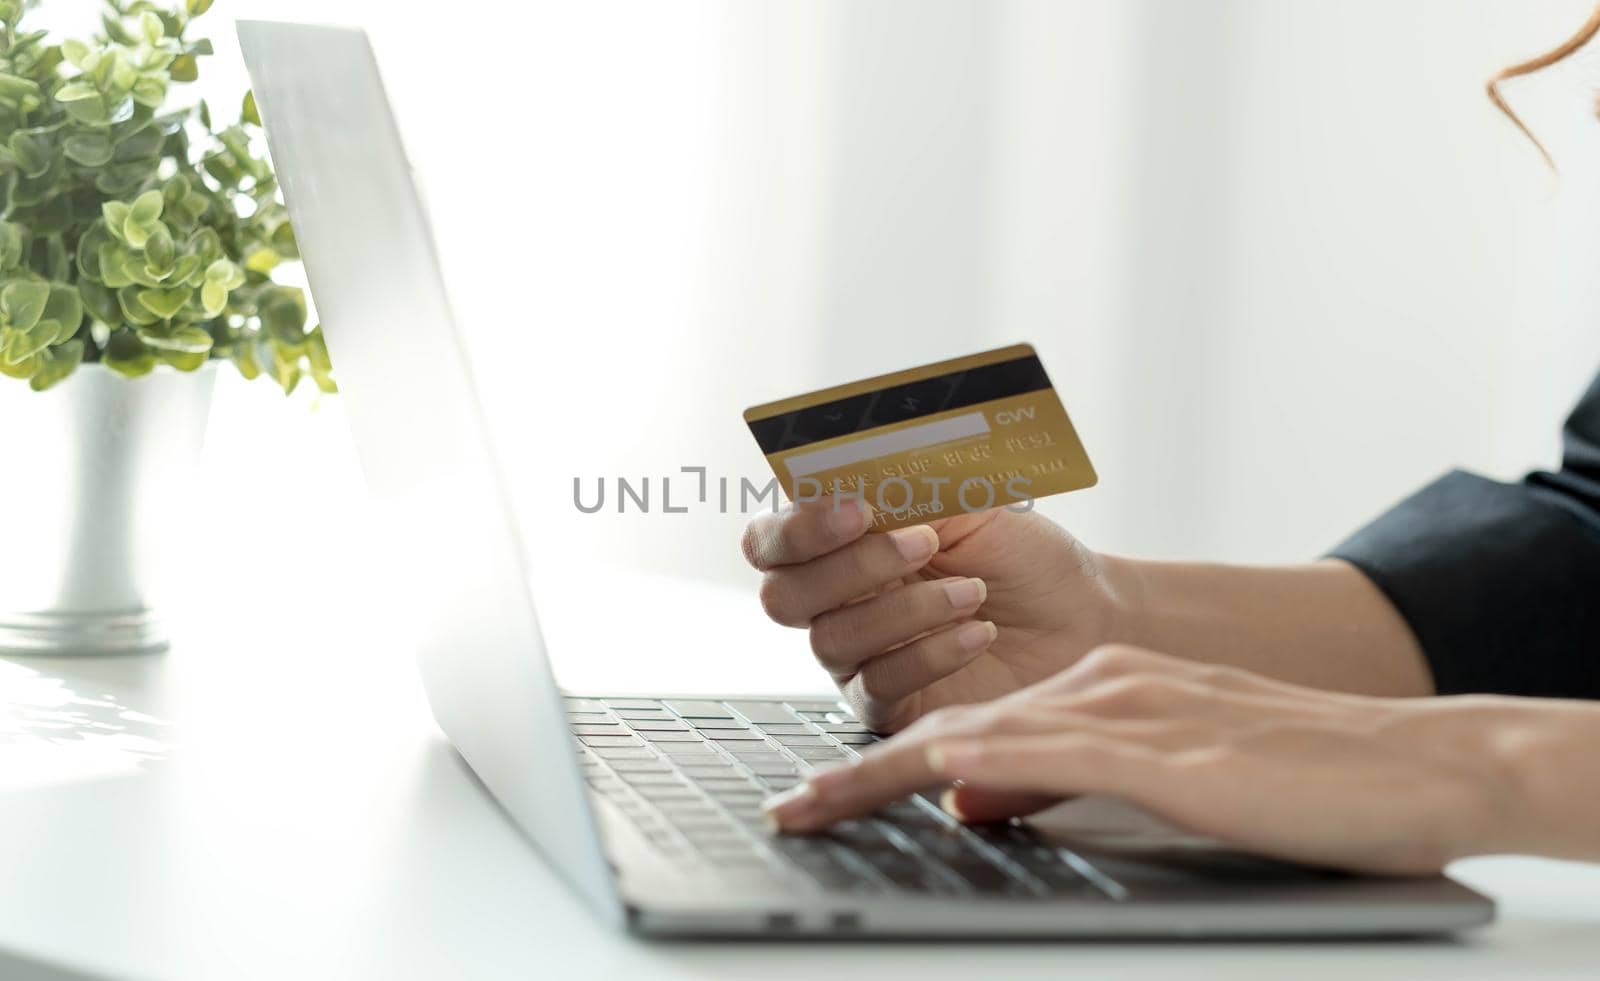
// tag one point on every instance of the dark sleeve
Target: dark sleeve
(1500, 582)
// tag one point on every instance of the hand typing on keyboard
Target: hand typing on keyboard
(962, 610)
(1388, 785)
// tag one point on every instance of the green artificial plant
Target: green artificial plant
(134, 233)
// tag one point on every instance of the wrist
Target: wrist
(1125, 589)
(1539, 757)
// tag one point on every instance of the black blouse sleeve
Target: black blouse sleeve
(1500, 582)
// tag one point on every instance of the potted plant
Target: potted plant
(138, 241)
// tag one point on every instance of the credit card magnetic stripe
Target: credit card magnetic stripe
(787, 430)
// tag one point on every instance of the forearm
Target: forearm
(1545, 754)
(1322, 624)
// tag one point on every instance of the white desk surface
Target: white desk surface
(277, 803)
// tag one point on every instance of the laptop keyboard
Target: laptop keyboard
(691, 774)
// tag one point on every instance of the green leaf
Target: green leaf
(165, 303)
(142, 144)
(77, 91)
(185, 271)
(91, 112)
(249, 113)
(283, 241)
(317, 351)
(182, 340)
(32, 152)
(183, 361)
(65, 307)
(89, 149)
(100, 302)
(113, 260)
(74, 51)
(10, 245)
(22, 302)
(57, 265)
(115, 30)
(159, 252)
(127, 355)
(261, 260)
(136, 234)
(213, 297)
(146, 207)
(15, 88)
(246, 356)
(151, 90)
(184, 68)
(116, 215)
(24, 344)
(283, 316)
(22, 369)
(152, 27)
(197, 7)
(135, 312)
(56, 364)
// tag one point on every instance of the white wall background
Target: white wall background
(1282, 260)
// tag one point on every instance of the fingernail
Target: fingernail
(848, 519)
(975, 636)
(780, 808)
(966, 593)
(935, 757)
(947, 801)
(915, 543)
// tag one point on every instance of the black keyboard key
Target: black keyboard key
(616, 753)
(708, 770)
(645, 713)
(594, 729)
(788, 729)
(756, 753)
(819, 752)
(671, 736)
(793, 740)
(648, 763)
(760, 712)
(816, 705)
(684, 751)
(675, 792)
(646, 777)
(699, 709)
(986, 877)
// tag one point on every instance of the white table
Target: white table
(278, 804)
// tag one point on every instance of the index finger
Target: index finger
(887, 771)
(884, 774)
(805, 531)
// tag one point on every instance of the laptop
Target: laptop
(650, 807)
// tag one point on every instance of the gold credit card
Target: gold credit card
(964, 435)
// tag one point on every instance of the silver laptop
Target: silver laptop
(649, 807)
